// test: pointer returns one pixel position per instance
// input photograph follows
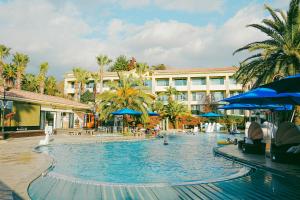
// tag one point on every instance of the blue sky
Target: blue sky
(178, 33)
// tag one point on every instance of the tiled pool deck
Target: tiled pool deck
(19, 166)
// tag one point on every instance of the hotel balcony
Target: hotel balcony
(181, 88)
(198, 87)
(217, 87)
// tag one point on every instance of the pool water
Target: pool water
(185, 159)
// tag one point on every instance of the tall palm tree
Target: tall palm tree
(102, 61)
(51, 87)
(9, 74)
(4, 52)
(175, 109)
(279, 54)
(96, 78)
(124, 94)
(20, 61)
(81, 77)
(171, 92)
(30, 83)
(42, 76)
(142, 69)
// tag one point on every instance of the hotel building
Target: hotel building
(194, 85)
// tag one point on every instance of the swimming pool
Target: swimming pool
(186, 159)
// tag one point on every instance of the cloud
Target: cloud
(60, 36)
(191, 5)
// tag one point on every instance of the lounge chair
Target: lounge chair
(254, 144)
(285, 148)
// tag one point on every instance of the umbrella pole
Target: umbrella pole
(293, 115)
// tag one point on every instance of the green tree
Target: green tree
(141, 69)
(279, 54)
(30, 83)
(81, 78)
(171, 92)
(175, 109)
(42, 76)
(124, 94)
(9, 74)
(159, 67)
(51, 86)
(96, 79)
(20, 61)
(87, 97)
(102, 61)
(4, 53)
(121, 64)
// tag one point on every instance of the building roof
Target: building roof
(21, 95)
(182, 70)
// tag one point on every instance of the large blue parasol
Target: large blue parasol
(126, 111)
(238, 106)
(288, 84)
(265, 96)
(211, 114)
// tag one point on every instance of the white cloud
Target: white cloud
(191, 5)
(60, 36)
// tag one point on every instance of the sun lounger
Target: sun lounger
(286, 146)
(254, 144)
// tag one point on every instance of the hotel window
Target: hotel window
(232, 81)
(180, 82)
(162, 82)
(197, 109)
(198, 81)
(217, 81)
(148, 83)
(217, 96)
(72, 85)
(90, 84)
(105, 83)
(182, 96)
(199, 96)
(161, 97)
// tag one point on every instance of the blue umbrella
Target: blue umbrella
(239, 106)
(288, 84)
(211, 114)
(265, 96)
(150, 113)
(126, 111)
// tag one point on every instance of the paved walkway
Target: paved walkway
(20, 164)
(259, 161)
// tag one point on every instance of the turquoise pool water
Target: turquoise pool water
(185, 159)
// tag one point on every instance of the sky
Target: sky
(177, 33)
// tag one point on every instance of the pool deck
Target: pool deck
(20, 165)
(258, 161)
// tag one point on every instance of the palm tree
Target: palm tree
(96, 78)
(51, 88)
(142, 69)
(124, 94)
(81, 77)
(30, 83)
(20, 61)
(9, 74)
(279, 54)
(42, 76)
(171, 92)
(102, 61)
(4, 52)
(175, 109)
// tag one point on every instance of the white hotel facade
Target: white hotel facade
(193, 84)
